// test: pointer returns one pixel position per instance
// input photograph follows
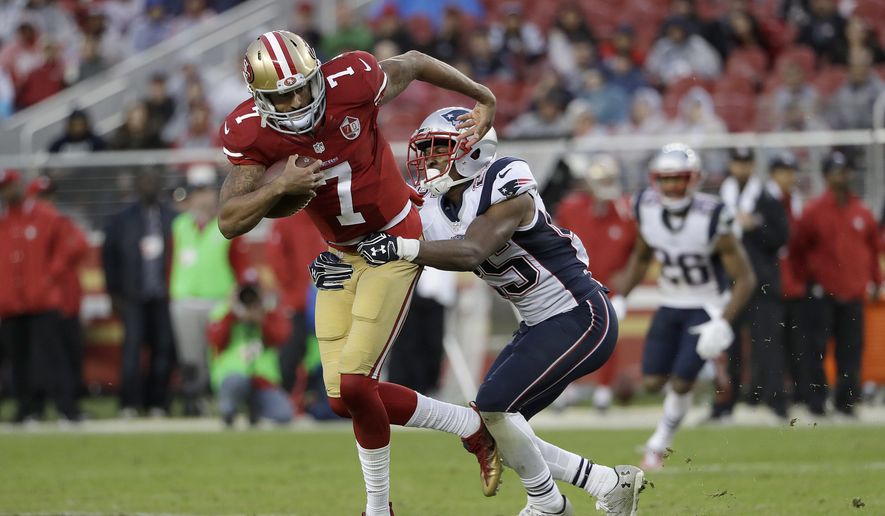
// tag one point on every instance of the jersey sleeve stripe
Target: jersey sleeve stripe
(383, 87)
(488, 185)
(714, 221)
(272, 46)
(232, 154)
(289, 62)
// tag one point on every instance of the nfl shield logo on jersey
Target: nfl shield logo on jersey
(319, 147)
(350, 128)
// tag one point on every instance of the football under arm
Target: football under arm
(738, 268)
(485, 235)
(637, 267)
(413, 65)
(242, 202)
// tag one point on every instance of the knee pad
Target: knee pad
(358, 391)
(339, 408)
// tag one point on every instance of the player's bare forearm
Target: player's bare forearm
(243, 203)
(637, 267)
(413, 65)
(485, 235)
(738, 268)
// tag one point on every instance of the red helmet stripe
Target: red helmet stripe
(286, 54)
(273, 55)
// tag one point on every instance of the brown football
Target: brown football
(288, 204)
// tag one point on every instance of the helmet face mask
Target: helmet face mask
(436, 141)
(280, 63)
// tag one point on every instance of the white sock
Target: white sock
(516, 442)
(569, 467)
(438, 415)
(675, 408)
(376, 472)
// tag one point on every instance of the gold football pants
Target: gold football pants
(356, 326)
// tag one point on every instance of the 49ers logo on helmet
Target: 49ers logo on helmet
(289, 81)
(248, 74)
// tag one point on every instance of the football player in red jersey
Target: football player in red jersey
(329, 111)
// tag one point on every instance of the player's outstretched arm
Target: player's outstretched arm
(413, 65)
(637, 267)
(738, 268)
(485, 235)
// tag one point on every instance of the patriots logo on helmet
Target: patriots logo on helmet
(452, 116)
(511, 187)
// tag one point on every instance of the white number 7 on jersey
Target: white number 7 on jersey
(343, 173)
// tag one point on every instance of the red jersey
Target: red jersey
(363, 190)
(33, 258)
(611, 233)
(77, 250)
(294, 242)
(839, 246)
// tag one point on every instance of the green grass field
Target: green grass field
(797, 471)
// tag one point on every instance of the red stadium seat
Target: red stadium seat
(829, 80)
(738, 110)
(746, 63)
(871, 10)
(676, 90)
(800, 54)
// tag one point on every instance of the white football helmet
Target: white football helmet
(676, 160)
(438, 130)
(281, 62)
(599, 171)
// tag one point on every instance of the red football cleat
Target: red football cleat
(482, 444)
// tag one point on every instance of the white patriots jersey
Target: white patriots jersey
(691, 275)
(542, 269)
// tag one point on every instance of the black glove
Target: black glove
(328, 272)
(378, 249)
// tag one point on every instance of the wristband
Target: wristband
(407, 248)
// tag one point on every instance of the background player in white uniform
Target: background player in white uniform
(689, 234)
(485, 215)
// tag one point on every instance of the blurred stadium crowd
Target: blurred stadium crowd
(581, 70)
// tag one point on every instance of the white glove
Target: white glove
(619, 303)
(715, 336)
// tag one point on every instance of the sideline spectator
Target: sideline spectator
(416, 356)
(782, 186)
(516, 40)
(78, 136)
(195, 13)
(646, 118)
(34, 255)
(600, 215)
(824, 31)
(860, 37)
(485, 64)
(794, 90)
(623, 73)
(837, 240)
(205, 268)
(245, 369)
(680, 53)
(697, 117)
(547, 120)
(852, 105)
(160, 105)
(623, 44)
(151, 27)
(569, 28)
(136, 258)
(352, 33)
(22, 54)
(42, 82)
(448, 43)
(137, 132)
(77, 249)
(761, 222)
(607, 101)
(293, 244)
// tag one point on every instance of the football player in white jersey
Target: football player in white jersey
(704, 282)
(484, 214)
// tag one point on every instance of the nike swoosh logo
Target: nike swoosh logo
(504, 173)
(365, 64)
(226, 130)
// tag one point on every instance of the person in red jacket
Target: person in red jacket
(294, 242)
(77, 246)
(33, 256)
(837, 241)
(601, 216)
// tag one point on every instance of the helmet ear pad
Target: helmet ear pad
(478, 158)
